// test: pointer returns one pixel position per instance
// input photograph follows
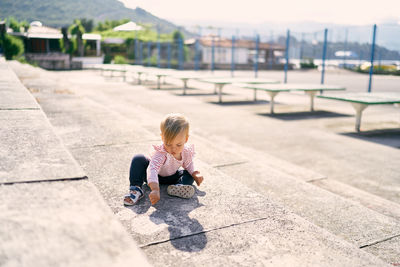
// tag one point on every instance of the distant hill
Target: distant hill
(58, 13)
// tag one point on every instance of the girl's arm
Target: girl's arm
(155, 193)
(197, 177)
(156, 162)
(189, 165)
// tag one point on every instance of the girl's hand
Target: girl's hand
(154, 196)
(198, 178)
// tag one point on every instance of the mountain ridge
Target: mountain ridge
(59, 13)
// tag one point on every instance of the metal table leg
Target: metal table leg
(158, 81)
(359, 109)
(139, 80)
(312, 96)
(185, 81)
(272, 97)
(219, 87)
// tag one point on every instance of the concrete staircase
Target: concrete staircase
(254, 209)
(50, 214)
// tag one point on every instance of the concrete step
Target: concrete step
(230, 153)
(364, 219)
(50, 214)
(366, 199)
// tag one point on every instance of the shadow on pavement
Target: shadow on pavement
(164, 88)
(304, 115)
(387, 137)
(196, 94)
(186, 233)
(240, 103)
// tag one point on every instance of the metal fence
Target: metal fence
(356, 47)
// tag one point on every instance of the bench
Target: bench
(361, 101)
(310, 89)
(111, 71)
(219, 83)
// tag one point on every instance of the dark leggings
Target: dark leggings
(138, 175)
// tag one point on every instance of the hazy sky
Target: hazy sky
(355, 12)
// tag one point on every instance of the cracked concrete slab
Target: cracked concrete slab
(13, 95)
(342, 217)
(61, 224)
(388, 249)
(30, 151)
(260, 243)
(374, 202)
(84, 123)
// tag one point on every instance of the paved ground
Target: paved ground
(103, 122)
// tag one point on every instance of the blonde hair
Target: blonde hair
(172, 125)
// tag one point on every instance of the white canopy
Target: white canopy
(127, 27)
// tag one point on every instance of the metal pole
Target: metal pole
(169, 55)
(256, 56)
(158, 46)
(302, 47)
(271, 51)
(371, 69)
(180, 53)
(158, 53)
(345, 48)
(212, 54)
(196, 55)
(141, 53)
(219, 47)
(287, 54)
(136, 51)
(324, 56)
(148, 53)
(233, 56)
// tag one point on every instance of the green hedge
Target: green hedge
(12, 46)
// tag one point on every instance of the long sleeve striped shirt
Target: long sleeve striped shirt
(164, 164)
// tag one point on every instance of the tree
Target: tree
(87, 24)
(177, 35)
(14, 24)
(13, 46)
(78, 30)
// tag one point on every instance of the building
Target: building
(269, 55)
(43, 46)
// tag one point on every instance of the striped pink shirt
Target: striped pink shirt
(164, 164)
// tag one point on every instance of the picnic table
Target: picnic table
(185, 79)
(360, 101)
(112, 70)
(159, 76)
(219, 83)
(310, 89)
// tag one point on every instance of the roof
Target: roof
(127, 27)
(43, 32)
(241, 43)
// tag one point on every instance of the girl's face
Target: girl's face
(175, 147)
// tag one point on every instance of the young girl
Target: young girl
(163, 166)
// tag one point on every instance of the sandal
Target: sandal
(135, 194)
